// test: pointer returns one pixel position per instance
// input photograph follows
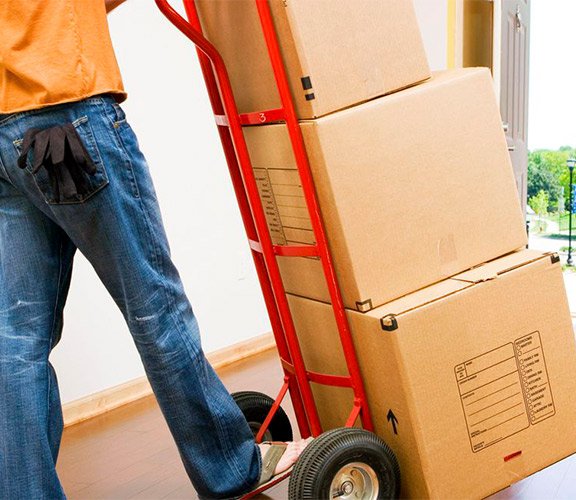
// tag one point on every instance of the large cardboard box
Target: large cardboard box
(413, 187)
(474, 389)
(337, 53)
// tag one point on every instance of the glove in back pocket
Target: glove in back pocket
(69, 181)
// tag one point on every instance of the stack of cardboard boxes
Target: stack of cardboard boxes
(464, 338)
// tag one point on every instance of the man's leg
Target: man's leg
(55, 418)
(118, 227)
(35, 265)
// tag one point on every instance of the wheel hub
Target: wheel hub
(355, 481)
(347, 487)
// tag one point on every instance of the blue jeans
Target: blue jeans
(117, 225)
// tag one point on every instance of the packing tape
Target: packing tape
(447, 255)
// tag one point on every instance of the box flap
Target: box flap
(484, 272)
(496, 267)
(418, 298)
(439, 78)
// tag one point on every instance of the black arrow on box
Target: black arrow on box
(392, 418)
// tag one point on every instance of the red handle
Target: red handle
(185, 27)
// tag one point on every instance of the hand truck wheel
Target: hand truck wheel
(345, 463)
(255, 406)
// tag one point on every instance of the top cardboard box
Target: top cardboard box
(337, 53)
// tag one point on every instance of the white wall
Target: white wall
(432, 17)
(168, 108)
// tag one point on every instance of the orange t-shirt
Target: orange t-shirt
(55, 51)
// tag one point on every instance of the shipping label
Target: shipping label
(285, 206)
(504, 391)
(270, 206)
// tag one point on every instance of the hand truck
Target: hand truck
(346, 462)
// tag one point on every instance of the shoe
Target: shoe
(270, 460)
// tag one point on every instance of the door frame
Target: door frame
(456, 38)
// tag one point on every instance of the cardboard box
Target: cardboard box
(337, 53)
(478, 375)
(413, 187)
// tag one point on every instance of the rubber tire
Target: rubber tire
(328, 453)
(255, 406)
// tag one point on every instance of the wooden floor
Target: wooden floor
(129, 453)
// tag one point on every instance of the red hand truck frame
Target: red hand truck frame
(229, 122)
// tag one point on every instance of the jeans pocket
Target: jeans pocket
(120, 115)
(92, 182)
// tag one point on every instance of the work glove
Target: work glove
(62, 153)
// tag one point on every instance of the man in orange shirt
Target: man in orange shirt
(72, 177)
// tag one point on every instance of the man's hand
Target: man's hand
(112, 4)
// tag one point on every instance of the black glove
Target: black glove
(61, 152)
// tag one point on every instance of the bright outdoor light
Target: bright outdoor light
(570, 163)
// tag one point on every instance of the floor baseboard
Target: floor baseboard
(108, 399)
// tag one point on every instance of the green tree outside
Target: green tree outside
(547, 172)
(539, 204)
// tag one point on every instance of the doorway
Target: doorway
(552, 133)
(525, 43)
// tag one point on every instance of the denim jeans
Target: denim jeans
(118, 227)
